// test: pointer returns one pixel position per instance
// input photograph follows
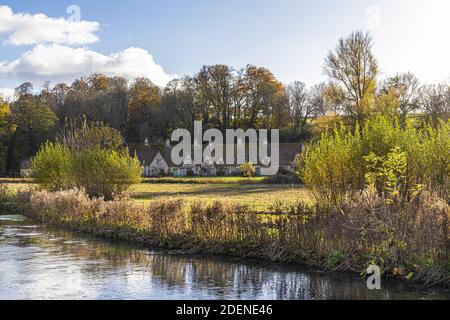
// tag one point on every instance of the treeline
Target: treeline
(222, 97)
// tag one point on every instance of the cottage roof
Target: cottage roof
(146, 154)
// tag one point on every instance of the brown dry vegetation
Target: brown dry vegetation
(406, 239)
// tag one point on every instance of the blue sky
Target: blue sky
(290, 37)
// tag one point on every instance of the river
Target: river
(37, 262)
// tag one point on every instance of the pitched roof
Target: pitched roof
(146, 154)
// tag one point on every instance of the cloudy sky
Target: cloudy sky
(160, 39)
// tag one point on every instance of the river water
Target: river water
(37, 262)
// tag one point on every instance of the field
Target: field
(234, 190)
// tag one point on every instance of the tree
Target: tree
(35, 123)
(265, 106)
(435, 103)
(215, 85)
(404, 88)
(179, 105)
(5, 117)
(84, 136)
(353, 69)
(304, 104)
(143, 107)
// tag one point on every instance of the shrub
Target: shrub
(82, 136)
(105, 173)
(51, 167)
(382, 155)
(248, 170)
(333, 166)
(100, 172)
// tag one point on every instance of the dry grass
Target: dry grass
(230, 190)
(405, 238)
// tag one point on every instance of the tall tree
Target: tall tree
(35, 123)
(264, 104)
(353, 69)
(143, 109)
(215, 85)
(5, 114)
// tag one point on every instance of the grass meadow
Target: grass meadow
(233, 190)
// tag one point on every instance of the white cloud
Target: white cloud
(62, 63)
(27, 29)
(7, 94)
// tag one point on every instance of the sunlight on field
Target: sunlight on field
(259, 196)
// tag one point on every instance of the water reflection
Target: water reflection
(42, 263)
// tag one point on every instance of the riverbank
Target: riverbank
(61, 264)
(327, 238)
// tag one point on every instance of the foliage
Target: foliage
(101, 172)
(87, 136)
(34, 122)
(5, 114)
(105, 173)
(51, 168)
(248, 169)
(383, 155)
(332, 167)
(387, 174)
(353, 69)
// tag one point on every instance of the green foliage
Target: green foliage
(105, 173)
(4, 132)
(100, 172)
(334, 259)
(51, 167)
(393, 160)
(387, 174)
(331, 167)
(35, 123)
(248, 170)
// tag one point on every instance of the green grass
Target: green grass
(227, 189)
(259, 196)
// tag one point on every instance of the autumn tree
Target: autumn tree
(215, 84)
(353, 69)
(265, 105)
(143, 110)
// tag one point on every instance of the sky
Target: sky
(162, 39)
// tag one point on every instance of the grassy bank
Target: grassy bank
(408, 240)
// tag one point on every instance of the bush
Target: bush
(333, 166)
(100, 172)
(383, 155)
(105, 173)
(51, 167)
(248, 170)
